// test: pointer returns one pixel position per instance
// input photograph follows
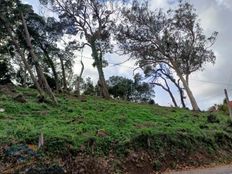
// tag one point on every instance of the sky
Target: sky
(208, 85)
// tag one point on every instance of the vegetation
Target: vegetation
(130, 90)
(117, 127)
(168, 46)
(41, 99)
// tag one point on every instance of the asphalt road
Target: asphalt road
(214, 170)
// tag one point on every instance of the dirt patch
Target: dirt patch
(138, 163)
(145, 154)
(87, 164)
(141, 162)
(20, 98)
(8, 89)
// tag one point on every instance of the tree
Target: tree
(143, 91)
(45, 33)
(128, 89)
(163, 77)
(91, 19)
(89, 87)
(120, 87)
(35, 59)
(12, 16)
(79, 78)
(7, 30)
(174, 38)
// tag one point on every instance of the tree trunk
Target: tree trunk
(63, 74)
(167, 89)
(173, 98)
(40, 81)
(181, 94)
(35, 59)
(180, 91)
(187, 79)
(182, 97)
(51, 64)
(79, 79)
(102, 82)
(27, 66)
(186, 87)
(23, 71)
(189, 92)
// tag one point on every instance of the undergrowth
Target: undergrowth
(126, 125)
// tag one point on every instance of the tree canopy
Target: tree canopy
(174, 38)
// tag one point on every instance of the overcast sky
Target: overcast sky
(208, 85)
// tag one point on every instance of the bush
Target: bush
(212, 119)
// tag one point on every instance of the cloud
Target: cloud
(225, 3)
(210, 83)
(164, 4)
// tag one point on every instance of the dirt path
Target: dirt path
(214, 170)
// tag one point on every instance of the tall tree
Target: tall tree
(12, 16)
(174, 38)
(45, 33)
(91, 19)
(8, 29)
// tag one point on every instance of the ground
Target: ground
(106, 136)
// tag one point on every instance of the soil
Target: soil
(21, 158)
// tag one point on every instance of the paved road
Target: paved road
(215, 170)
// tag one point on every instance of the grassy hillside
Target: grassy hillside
(168, 136)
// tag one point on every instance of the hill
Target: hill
(106, 136)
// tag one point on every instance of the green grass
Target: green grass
(127, 124)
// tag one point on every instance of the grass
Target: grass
(128, 125)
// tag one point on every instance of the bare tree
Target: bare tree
(163, 77)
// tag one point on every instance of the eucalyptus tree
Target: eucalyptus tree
(66, 57)
(45, 33)
(8, 30)
(174, 38)
(91, 20)
(13, 16)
